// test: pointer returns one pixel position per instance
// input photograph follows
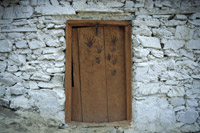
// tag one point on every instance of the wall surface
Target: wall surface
(166, 57)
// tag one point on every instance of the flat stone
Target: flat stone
(2, 37)
(188, 117)
(153, 111)
(150, 42)
(191, 103)
(20, 29)
(193, 44)
(33, 85)
(183, 33)
(35, 44)
(9, 79)
(162, 32)
(129, 4)
(176, 91)
(23, 11)
(157, 53)
(177, 101)
(52, 10)
(27, 68)
(8, 13)
(17, 89)
(114, 4)
(55, 70)
(49, 85)
(40, 77)
(20, 102)
(18, 59)
(15, 35)
(143, 30)
(174, 44)
(195, 22)
(175, 23)
(6, 46)
(2, 66)
(12, 68)
(195, 16)
(53, 43)
(180, 17)
(2, 91)
(150, 23)
(56, 33)
(21, 44)
(54, 2)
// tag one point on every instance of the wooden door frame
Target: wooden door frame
(128, 65)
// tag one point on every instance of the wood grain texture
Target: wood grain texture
(128, 65)
(100, 22)
(92, 73)
(115, 72)
(68, 79)
(76, 92)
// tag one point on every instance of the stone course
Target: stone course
(166, 58)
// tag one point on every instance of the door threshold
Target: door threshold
(103, 124)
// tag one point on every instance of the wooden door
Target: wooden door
(99, 91)
(98, 71)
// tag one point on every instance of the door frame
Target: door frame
(128, 66)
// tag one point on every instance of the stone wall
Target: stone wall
(166, 57)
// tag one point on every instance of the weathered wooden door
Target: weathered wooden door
(99, 60)
(99, 92)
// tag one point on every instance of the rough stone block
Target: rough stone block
(191, 103)
(150, 23)
(184, 33)
(114, 4)
(177, 101)
(35, 44)
(180, 17)
(15, 35)
(20, 102)
(188, 117)
(174, 44)
(12, 68)
(9, 79)
(150, 42)
(49, 85)
(54, 2)
(193, 44)
(143, 30)
(8, 13)
(175, 23)
(23, 11)
(51, 10)
(17, 58)
(21, 44)
(176, 91)
(153, 111)
(195, 16)
(33, 85)
(195, 22)
(2, 66)
(40, 76)
(27, 68)
(6, 46)
(53, 43)
(55, 70)
(17, 89)
(162, 32)
(48, 103)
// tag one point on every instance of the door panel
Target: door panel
(76, 92)
(115, 72)
(92, 74)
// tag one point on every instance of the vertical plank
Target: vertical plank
(115, 72)
(68, 74)
(128, 64)
(92, 73)
(76, 94)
